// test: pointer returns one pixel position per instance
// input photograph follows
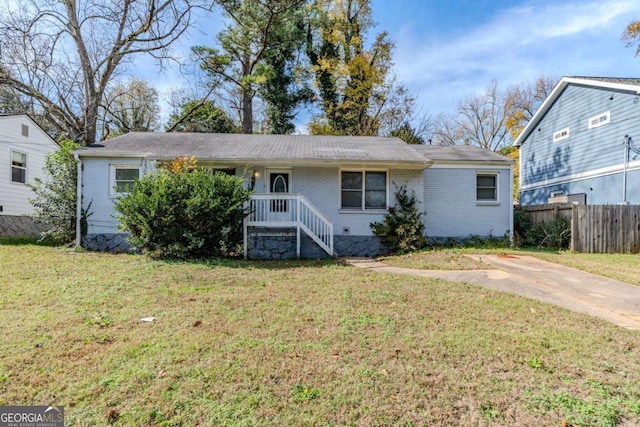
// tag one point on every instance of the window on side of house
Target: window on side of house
(225, 171)
(363, 190)
(18, 167)
(561, 134)
(123, 178)
(600, 120)
(487, 187)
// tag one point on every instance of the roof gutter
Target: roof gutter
(108, 154)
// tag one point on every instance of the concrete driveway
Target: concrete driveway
(576, 290)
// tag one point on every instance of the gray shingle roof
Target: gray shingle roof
(461, 153)
(621, 80)
(288, 149)
(239, 147)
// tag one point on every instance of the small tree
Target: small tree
(402, 229)
(185, 214)
(55, 196)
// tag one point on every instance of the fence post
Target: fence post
(574, 227)
(245, 229)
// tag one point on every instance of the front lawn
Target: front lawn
(296, 343)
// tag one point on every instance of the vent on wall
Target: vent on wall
(25, 130)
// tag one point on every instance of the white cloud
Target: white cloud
(568, 19)
(518, 44)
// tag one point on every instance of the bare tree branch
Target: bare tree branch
(66, 54)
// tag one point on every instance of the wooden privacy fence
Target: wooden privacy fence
(545, 214)
(594, 228)
(605, 228)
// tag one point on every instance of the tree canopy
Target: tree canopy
(478, 120)
(495, 118)
(202, 117)
(64, 54)
(64, 63)
(631, 35)
(129, 107)
(352, 79)
(524, 100)
(254, 29)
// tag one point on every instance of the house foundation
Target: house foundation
(19, 226)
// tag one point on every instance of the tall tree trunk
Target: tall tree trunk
(247, 98)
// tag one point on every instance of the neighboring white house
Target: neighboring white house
(313, 195)
(23, 148)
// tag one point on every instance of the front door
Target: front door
(279, 182)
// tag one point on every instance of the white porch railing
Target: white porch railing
(286, 210)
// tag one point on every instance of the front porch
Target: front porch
(283, 216)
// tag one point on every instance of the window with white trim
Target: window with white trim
(123, 178)
(600, 120)
(363, 190)
(18, 167)
(487, 187)
(561, 134)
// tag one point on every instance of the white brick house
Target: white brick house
(316, 194)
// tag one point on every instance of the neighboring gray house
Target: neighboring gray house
(23, 148)
(313, 195)
(580, 144)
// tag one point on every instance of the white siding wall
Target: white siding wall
(451, 206)
(14, 197)
(96, 187)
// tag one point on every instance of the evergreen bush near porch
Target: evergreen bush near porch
(184, 214)
(402, 229)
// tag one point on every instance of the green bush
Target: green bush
(521, 224)
(188, 214)
(402, 229)
(556, 234)
(55, 196)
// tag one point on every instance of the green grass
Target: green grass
(296, 343)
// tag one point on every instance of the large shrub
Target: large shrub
(184, 214)
(55, 196)
(402, 229)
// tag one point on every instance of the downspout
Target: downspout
(624, 170)
(511, 222)
(76, 156)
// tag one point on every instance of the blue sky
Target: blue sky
(449, 49)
